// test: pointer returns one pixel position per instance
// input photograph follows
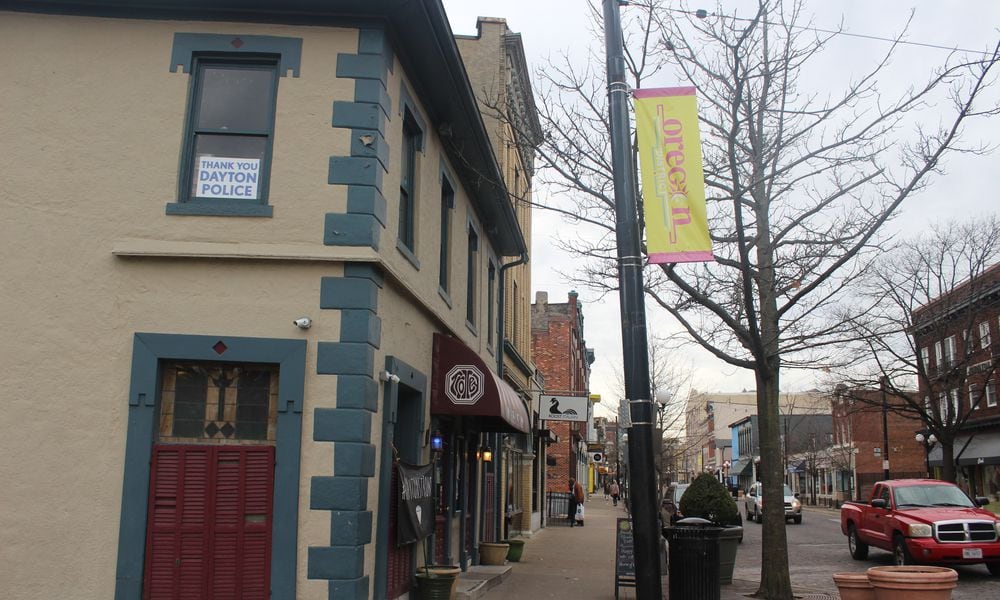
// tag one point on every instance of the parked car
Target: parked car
(923, 521)
(670, 510)
(754, 502)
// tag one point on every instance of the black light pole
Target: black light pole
(885, 432)
(642, 495)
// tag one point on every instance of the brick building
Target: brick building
(956, 339)
(561, 354)
(857, 453)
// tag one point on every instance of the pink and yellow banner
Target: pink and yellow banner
(673, 184)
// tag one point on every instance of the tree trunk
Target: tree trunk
(948, 471)
(775, 582)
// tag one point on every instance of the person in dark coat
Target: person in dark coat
(576, 498)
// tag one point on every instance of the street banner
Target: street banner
(565, 408)
(673, 183)
(415, 518)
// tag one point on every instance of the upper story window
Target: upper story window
(946, 355)
(407, 182)
(444, 258)
(472, 257)
(925, 358)
(991, 393)
(226, 153)
(984, 334)
(491, 283)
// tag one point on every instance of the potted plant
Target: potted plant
(516, 549)
(493, 553)
(707, 498)
(437, 582)
(854, 586)
(912, 582)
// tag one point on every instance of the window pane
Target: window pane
(227, 166)
(235, 98)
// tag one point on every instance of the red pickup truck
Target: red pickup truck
(923, 521)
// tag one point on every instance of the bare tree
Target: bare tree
(920, 324)
(801, 184)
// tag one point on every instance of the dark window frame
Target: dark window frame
(491, 298)
(444, 251)
(472, 272)
(188, 50)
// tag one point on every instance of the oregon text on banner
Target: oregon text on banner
(673, 183)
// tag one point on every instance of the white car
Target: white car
(755, 504)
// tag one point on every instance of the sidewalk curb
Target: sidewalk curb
(479, 579)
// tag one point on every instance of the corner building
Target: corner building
(187, 180)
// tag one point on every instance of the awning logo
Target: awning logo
(464, 384)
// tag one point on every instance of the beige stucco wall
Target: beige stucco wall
(92, 124)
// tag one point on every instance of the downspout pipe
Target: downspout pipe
(499, 511)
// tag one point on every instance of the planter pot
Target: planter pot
(854, 586)
(492, 553)
(912, 582)
(516, 550)
(728, 543)
(434, 585)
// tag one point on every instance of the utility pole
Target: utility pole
(642, 497)
(885, 431)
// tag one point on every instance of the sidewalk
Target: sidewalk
(568, 563)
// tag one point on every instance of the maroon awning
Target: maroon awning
(463, 385)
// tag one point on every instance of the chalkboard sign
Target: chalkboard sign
(624, 555)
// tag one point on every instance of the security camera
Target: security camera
(303, 323)
(387, 376)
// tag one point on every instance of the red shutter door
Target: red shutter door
(400, 558)
(209, 525)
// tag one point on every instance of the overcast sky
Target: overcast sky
(550, 27)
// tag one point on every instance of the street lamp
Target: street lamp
(927, 442)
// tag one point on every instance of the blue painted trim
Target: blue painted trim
(358, 115)
(407, 105)
(220, 207)
(348, 293)
(373, 92)
(336, 358)
(186, 45)
(408, 254)
(348, 589)
(342, 425)
(444, 296)
(148, 349)
(362, 66)
(369, 143)
(357, 391)
(413, 379)
(367, 200)
(374, 41)
(351, 230)
(365, 271)
(337, 562)
(351, 527)
(338, 493)
(355, 170)
(354, 459)
(361, 326)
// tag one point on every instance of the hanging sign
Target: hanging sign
(415, 518)
(565, 408)
(673, 184)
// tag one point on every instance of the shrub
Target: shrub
(709, 499)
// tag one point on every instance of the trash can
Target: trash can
(693, 559)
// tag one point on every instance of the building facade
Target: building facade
(561, 353)
(857, 455)
(956, 339)
(708, 419)
(285, 283)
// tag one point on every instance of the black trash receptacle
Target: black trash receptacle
(694, 560)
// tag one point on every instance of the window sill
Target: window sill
(471, 327)
(408, 254)
(444, 296)
(220, 208)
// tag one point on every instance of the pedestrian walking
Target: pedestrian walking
(615, 490)
(576, 498)
(607, 489)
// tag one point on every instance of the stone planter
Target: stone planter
(729, 541)
(912, 582)
(516, 550)
(491, 553)
(854, 586)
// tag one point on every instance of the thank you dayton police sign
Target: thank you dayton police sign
(415, 519)
(565, 408)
